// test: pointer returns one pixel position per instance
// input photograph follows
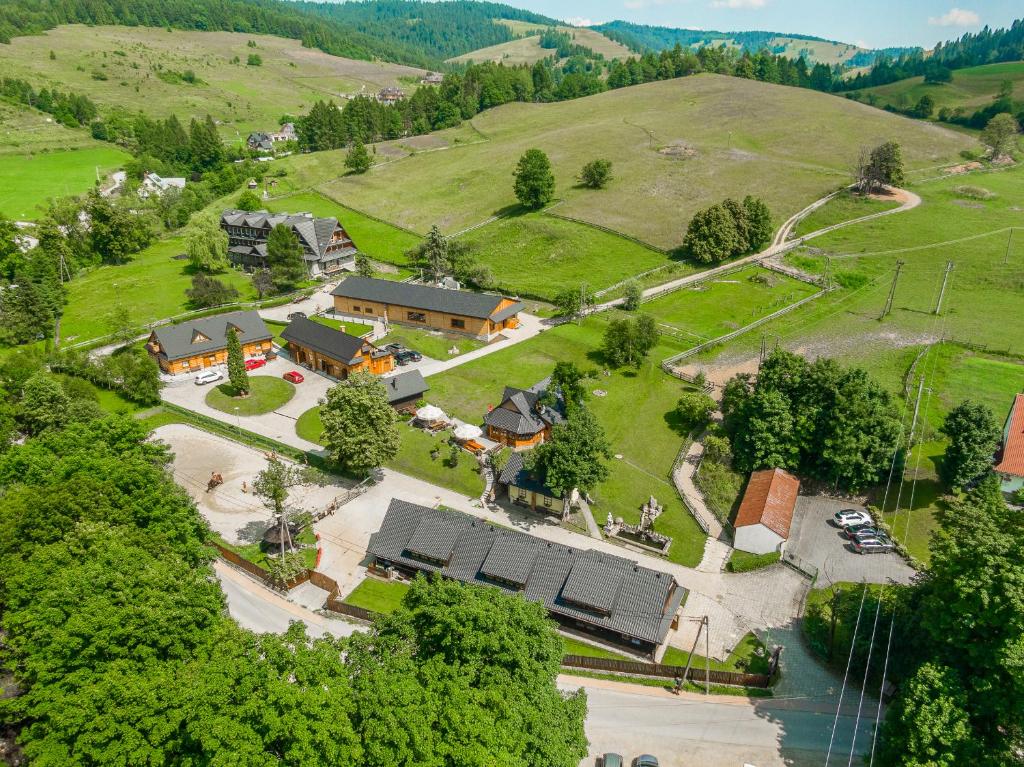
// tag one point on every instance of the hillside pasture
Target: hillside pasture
(522, 50)
(971, 88)
(541, 255)
(845, 206)
(28, 131)
(152, 287)
(676, 145)
(28, 181)
(135, 67)
(525, 49)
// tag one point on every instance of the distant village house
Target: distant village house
(154, 185)
(326, 246)
(390, 95)
(198, 344)
(432, 78)
(480, 315)
(259, 141)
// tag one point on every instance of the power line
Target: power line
(849, 661)
(864, 685)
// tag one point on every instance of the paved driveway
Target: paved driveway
(816, 540)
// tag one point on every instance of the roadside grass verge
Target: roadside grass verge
(744, 562)
(743, 658)
(267, 393)
(576, 647)
(255, 553)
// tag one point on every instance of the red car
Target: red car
(294, 376)
(255, 362)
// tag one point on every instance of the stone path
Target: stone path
(588, 517)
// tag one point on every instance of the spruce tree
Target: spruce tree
(358, 159)
(237, 374)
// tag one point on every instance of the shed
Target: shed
(766, 511)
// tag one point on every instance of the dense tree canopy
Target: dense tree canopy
(974, 435)
(534, 182)
(575, 457)
(360, 427)
(827, 422)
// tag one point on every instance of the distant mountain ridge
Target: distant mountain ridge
(641, 37)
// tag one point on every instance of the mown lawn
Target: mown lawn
(576, 647)
(151, 286)
(28, 181)
(378, 596)
(541, 255)
(267, 393)
(255, 552)
(429, 344)
(637, 412)
(845, 206)
(378, 240)
(743, 658)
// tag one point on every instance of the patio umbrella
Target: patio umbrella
(430, 413)
(467, 431)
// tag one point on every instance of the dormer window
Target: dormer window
(199, 338)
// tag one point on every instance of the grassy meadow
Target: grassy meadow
(676, 145)
(541, 255)
(971, 88)
(127, 67)
(845, 206)
(152, 286)
(526, 49)
(28, 181)
(28, 131)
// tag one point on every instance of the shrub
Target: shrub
(743, 562)
(973, 192)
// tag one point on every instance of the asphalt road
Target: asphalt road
(717, 731)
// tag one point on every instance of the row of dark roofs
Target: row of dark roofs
(605, 591)
(427, 297)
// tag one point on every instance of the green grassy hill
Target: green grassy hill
(526, 49)
(677, 145)
(133, 68)
(971, 88)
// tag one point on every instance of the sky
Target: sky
(869, 23)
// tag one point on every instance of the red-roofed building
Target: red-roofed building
(766, 511)
(1010, 461)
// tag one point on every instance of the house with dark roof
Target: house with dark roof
(765, 514)
(334, 352)
(524, 488)
(609, 596)
(522, 420)
(1010, 459)
(405, 390)
(202, 343)
(259, 141)
(326, 246)
(390, 95)
(481, 315)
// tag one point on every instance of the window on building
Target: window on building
(369, 310)
(356, 308)
(461, 324)
(416, 316)
(522, 494)
(547, 501)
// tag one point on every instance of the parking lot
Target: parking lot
(815, 539)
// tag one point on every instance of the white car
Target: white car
(209, 376)
(848, 517)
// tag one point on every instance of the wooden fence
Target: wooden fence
(258, 572)
(696, 675)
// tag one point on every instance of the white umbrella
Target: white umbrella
(430, 413)
(467, 431)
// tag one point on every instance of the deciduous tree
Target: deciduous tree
(534, 182)
(596, 174)
(569, 380)
(249, 201)
(206, 244)
(360, 427)
(974, 435)
(44, 404)
(1000, 135)
(632, 296)
(712, 235)
(694, 408)
(628, 342)
(575, 456)
(209, 291)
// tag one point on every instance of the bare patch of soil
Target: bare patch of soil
(679, 150)
(968, 204)
(962, 167)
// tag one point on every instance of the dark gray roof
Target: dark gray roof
(515, 473)
(518, 412)
(622, 596)
(332, 343)
(462, 302)
(185, 339)
(314, 233)
(405, 385)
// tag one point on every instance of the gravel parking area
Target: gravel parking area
(815, 539)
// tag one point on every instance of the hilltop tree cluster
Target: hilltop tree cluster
(70, 109)
(727, 229)
(824, 421)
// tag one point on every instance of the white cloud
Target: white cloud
(579, 21)
(957, 17)
(738, 3)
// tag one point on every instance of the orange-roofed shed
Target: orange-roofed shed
(766, 511)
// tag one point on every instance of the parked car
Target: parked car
(294, 376)
(611, 760)
(645, 760)
(296, 316)
(848, 517)
(881, 544)
(859, 531)
(208, 376)
(255, 362)
(402, 355)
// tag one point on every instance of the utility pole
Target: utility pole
(827, 277)
(707, 656)
(892, 291)
(942, 290)
(1008, 241)
(764, 348)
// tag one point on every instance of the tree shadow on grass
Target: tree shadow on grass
(676, 423)
(512, 211)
